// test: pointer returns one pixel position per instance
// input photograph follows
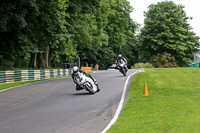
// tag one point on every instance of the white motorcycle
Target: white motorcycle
(86, 83)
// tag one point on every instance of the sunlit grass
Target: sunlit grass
(173, 104)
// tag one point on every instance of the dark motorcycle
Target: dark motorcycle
(122, 68)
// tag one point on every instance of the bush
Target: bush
(21, 63)
(164, 60)
(142, 65)
(7, 63)
(17, 63)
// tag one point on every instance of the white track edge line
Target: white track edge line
(119, 108)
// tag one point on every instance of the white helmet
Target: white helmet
(75, 69)
(120, 56)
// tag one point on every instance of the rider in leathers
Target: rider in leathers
(119, 60)
(78, 87)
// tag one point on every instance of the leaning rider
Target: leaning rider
(78, 87)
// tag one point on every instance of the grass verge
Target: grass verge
(172, 105)
(9, 85)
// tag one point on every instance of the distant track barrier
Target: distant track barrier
(27, 75)
(196, 64)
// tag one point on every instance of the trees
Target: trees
(99, 30)
(36, 33)
(12, 22)
(166, 31)
(83, 27)
(130, 50)
(120, 30)
(31, 29)
(118, 24)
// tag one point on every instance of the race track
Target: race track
(54, 106)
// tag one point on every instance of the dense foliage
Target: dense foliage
(166, 38)
(42, 33)
(37, 33)
(31, 30)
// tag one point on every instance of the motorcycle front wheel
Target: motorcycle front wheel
(123, 71)
(90, 88)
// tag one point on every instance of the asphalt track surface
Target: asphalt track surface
(54, 106)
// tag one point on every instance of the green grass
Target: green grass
(173, 104)
(9, 85)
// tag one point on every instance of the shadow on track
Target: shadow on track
(83, 93)
(121, 76)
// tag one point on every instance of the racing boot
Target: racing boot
(78, 88)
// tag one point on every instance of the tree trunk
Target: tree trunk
(33, 60)
(40, 60)
(46, 57)
(50, 55)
